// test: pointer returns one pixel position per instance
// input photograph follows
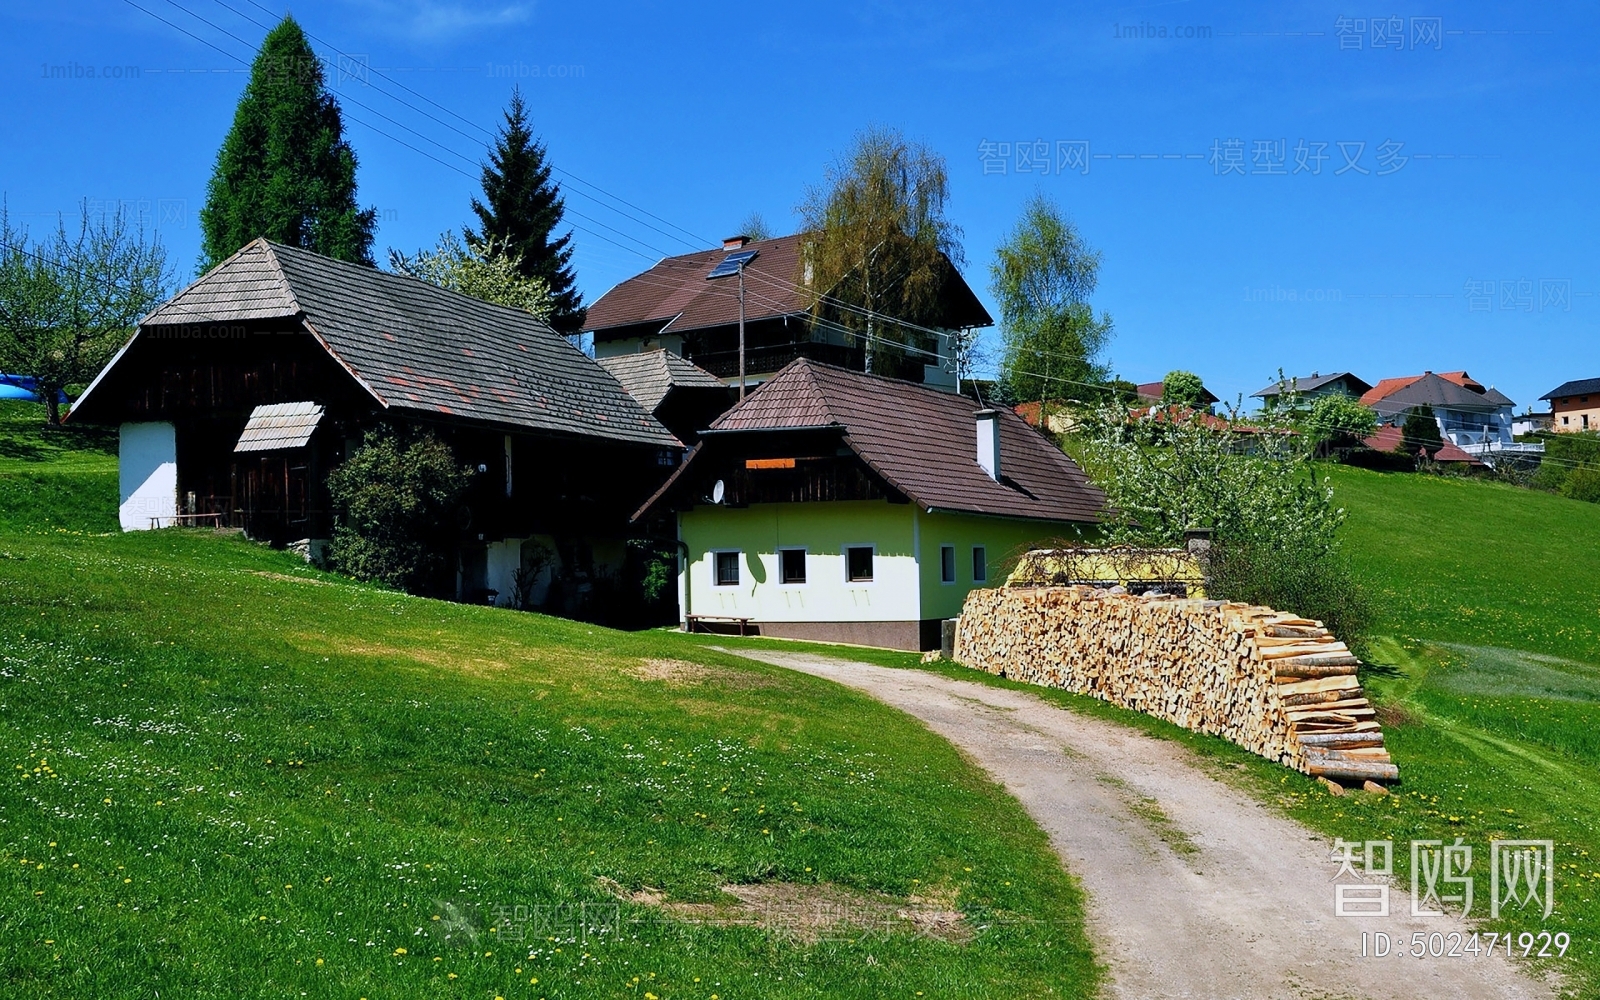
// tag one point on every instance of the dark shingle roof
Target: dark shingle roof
(1311, 383)
(649, 376)
(1447, 390)
(419, 347)
(676, 295)
(1577, 387)
(923, 442)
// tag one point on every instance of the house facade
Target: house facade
(238, 396)
(677, 306)
(1575, 406)
(1310, 388)
(839, 506)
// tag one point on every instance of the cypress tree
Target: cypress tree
(285, 171)
(522, 207)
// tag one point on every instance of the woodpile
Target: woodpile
(1278, 685)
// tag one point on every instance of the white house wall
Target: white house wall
(147, 476)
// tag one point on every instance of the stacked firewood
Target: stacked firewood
(1277, 685)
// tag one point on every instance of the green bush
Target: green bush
(1292, 579)
(1582, 483)
(394, 503)
(1564, 453)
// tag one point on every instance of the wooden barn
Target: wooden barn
(236, 397)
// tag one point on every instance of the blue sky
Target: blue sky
(1462, 237)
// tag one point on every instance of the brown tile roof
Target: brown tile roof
(922, 441)
(418, 347)
(650, 375)
(675, 294)
(1153, 391)
(1390, 438)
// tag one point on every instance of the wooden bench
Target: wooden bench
(690, 621)
(179, 520)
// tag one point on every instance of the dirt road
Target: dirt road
(1195, 890)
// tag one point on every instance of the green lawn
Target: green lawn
(231, 775)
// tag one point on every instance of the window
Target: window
(1564, 421)
(980, 564)
(947, 564)
(727, 569)
(858, 563)
(792, 565)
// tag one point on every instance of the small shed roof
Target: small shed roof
(279, 426)
(649, 376)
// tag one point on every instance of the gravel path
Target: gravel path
(1195, 890)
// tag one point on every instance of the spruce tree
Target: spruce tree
(285, 171)
(522, 207)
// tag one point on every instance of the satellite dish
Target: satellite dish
(718, 491)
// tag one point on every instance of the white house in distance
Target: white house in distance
(839, 506)
(1474, 418)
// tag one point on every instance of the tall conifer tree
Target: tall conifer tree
(285, 171)
(521, 209)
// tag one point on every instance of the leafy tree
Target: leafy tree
(1421, 431)
(1336, 420)
(755, 227)
(1274, 526)
(68, 302)
(1043, 275)
(285, 171)
(1181, 388)
(521, 209)
(394, 500)
(487, 271)
(878, 242)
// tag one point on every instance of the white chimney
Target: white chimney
(989, 442)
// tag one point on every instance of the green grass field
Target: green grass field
(229, 775)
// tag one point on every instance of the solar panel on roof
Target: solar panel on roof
(731, 263)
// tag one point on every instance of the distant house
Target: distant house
(1531, 423)
(1151, 392)
(237, 396)
(1575, 406)
(835, 505)
(684, 397)
(1310, 388)
(674, 305)
(1474, 418)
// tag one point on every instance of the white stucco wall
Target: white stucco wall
(824, 530)
(147, 476)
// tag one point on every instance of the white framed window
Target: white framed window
(947, 564)
(725, 568)
(858, 560)
(980, 564)
(792, 567)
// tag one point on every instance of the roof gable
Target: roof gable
(1450, 391)
(1577, 387)
(1313, 382)
(676, 296)
(923, 442)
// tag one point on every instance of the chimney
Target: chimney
(989, 442)
(735, 242)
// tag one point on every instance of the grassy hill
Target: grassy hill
(226, 774)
